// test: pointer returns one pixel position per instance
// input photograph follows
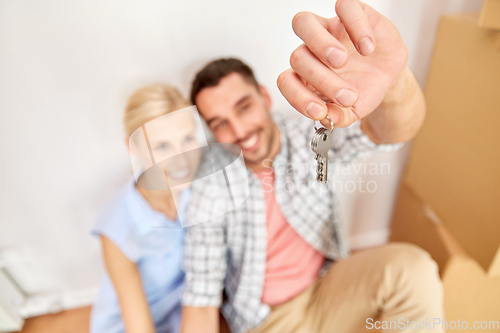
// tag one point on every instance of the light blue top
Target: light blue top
(148, 238)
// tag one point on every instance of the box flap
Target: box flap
(470, 294)
(490, 15)
(411, 223)
(494, 270)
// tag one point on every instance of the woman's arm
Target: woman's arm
(127, 282)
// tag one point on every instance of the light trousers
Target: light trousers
(397, 284)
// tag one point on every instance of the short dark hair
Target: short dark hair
(214, 71)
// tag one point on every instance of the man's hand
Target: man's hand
(346, 66)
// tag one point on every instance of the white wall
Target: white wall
(66, 69)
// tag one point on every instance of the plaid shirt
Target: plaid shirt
(229, 251)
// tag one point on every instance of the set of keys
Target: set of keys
(320, 145)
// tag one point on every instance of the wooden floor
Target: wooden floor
(75, 321)
(71, 321)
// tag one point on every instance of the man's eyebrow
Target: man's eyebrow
(242, 100)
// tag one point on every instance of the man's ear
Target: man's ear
(267, 98)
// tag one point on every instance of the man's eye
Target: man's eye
(189, 138)
(220, 125)
(244, 108)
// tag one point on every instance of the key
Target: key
(320, 144)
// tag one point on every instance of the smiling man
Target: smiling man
(236, 109)
(281, 255)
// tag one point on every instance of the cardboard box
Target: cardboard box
(449, 202)
(470, 293)
(490, 15)
(455, 162)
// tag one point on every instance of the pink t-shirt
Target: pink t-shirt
(291, 263)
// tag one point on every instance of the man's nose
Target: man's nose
(239, 129)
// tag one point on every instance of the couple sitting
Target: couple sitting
(279, 257)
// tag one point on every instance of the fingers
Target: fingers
(356, 23)
(310, 105)
(311, 28)
(299, 97)
(341, 117)
(322, 78)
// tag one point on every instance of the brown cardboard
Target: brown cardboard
(470, 293)
(455, 163)
(490, 15)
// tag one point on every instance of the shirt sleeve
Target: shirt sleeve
(351, 143)
(205, 246)
(120, 235)
(114, 222)
(204, 264)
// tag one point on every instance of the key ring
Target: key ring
(331, 125)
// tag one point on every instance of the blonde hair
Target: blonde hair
(151, 102)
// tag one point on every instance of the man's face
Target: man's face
(238, 113)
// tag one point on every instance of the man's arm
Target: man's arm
(400, 115)
(200, 319)
(205, 267)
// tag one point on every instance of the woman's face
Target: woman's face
(173, 143)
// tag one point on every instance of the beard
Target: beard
(265, 150)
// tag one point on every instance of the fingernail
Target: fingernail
(346, 97)
(315, 111)
(366, 46)
(326, 123)
(335, 57)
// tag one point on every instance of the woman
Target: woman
(140, 229)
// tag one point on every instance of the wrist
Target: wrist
(403, 87)
(400, 114)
